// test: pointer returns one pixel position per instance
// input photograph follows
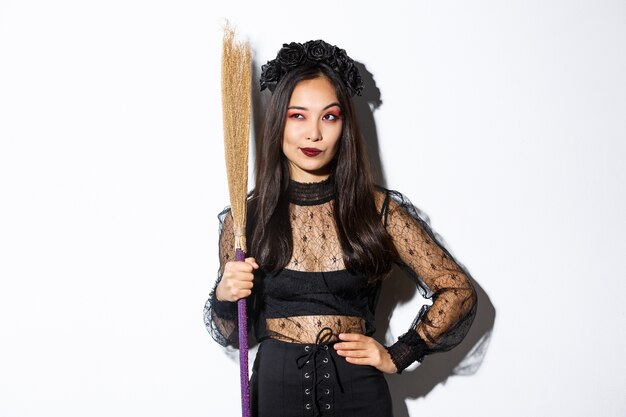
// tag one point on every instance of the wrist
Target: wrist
(218, 293)
(222, 308)
(390, 365)
(403, 354)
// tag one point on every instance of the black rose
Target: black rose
(319, 50)
(291, 56)
(270, 74)
(353, 79)
(340, 61)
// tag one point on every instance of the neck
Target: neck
(311, 193)
(303, 176)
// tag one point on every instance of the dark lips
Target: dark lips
(310, 151)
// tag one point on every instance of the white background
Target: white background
(503, 121)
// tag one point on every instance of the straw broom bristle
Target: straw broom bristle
(236, 113)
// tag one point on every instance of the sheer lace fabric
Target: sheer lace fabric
(316, 246)
(445, 323)
(315, 291)
(306, 329)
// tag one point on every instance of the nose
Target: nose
(315, 133)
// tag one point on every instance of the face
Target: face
(312, 130)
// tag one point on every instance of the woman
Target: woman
(323, 237)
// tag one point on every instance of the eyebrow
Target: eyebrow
(304, 108)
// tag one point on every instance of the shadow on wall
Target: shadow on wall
(464, 359)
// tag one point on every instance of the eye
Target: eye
(331, 117)
(295, 116)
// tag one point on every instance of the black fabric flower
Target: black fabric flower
(340, 61)
(353, 79)
(295, 54)
(270, 74)
(291, 56)
(319, 50)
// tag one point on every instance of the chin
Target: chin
(313, 168)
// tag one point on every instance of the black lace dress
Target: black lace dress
(303, 307)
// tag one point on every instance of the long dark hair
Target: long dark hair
(366, 245)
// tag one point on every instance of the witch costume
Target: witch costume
(297, 312)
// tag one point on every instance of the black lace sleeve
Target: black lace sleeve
(444, 324)
(220, 317)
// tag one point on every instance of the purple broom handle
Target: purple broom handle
(242, 317)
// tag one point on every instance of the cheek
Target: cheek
(287, 147)
(333, 134)
(292, 132)
(335, 149)
(287, 136)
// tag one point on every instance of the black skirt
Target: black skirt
(300, 380)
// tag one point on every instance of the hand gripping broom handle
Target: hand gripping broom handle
(242, 317)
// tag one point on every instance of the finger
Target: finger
(243, 294)
(350, 346)
(243, 276)
(239, 275)
(243, 266)
(239, 266)
(352, 337)
(359, 361)
(252, 262)
(354, 353)
(244, 285)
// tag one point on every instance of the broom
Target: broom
(236, 114)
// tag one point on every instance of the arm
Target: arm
(445, 323)
(220, 317)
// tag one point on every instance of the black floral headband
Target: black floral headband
(312, 52)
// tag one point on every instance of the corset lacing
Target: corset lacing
(319, 355)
